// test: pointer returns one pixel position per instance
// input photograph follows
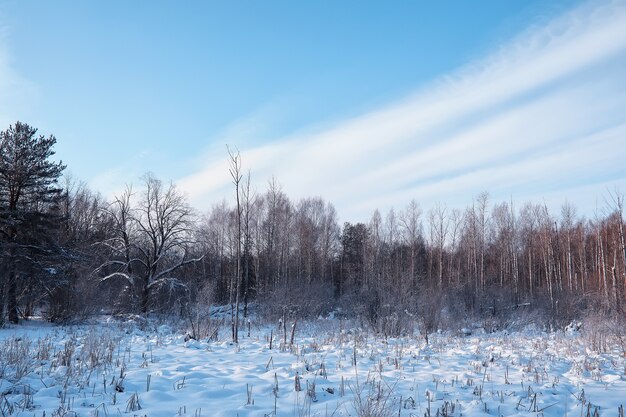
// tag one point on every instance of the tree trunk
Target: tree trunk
(235, 172)
(603, 282)
(12, 299)
(2, 299)
(145, 297)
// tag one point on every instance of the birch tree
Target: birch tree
(236, 175)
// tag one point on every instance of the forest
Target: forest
(66, 253)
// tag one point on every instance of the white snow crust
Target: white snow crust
(118, 369)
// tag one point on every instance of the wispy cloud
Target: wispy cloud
(542, 114)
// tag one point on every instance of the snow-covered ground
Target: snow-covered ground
(116, 369)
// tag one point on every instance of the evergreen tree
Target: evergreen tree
(29, 198)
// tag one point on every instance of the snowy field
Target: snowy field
(118, 369)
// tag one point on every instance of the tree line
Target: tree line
(67, 252)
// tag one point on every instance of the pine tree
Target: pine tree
(28, 208)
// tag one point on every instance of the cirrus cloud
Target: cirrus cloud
(538, 117)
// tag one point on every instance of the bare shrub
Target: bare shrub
(98, 348)
(429, 306)
(133, 403)
(604, 332)
(373, 399)
(15, 358)
(304, 302)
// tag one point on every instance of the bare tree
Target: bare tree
(235, 173)
(618, 204)
(412, 229)
(82, 224)
(439, 225)
(275, 225)
(249, 200)
(481, 205)
(151, 242)
(456, 221)
(119, 263)
(213, 235)
(568, 216)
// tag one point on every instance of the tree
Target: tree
(274, 238)
(235, 173)
(83, 225)
(353, 243)
(28, 194)
(248, 266)
(438, 222)
(151, 242)
(618, 205)
(411, 228)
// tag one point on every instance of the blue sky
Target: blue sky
(368, 105)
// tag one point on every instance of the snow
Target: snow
(114, 368)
